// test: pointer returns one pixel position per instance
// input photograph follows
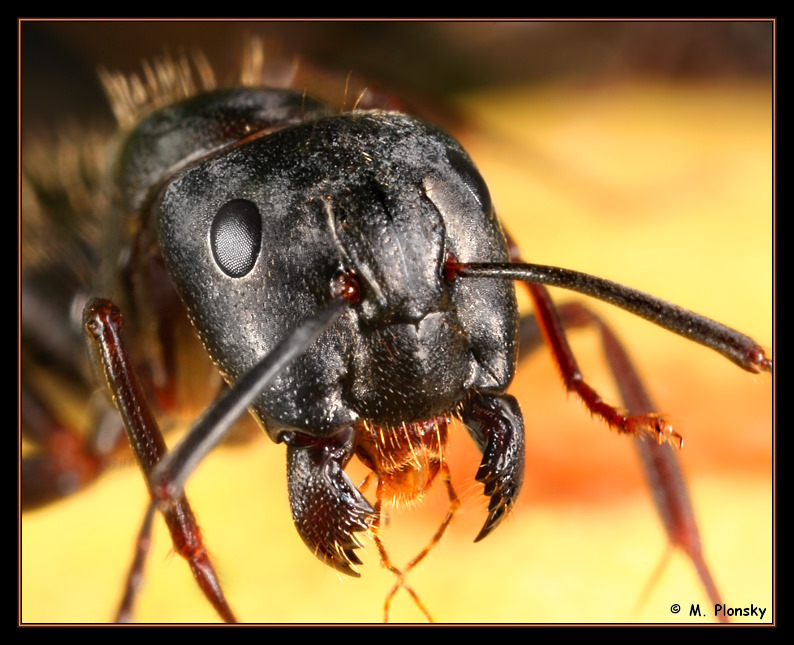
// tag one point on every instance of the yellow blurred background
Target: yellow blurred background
(662, 181)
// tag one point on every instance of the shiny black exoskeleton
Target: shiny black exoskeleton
(258, 200)
(346, 274)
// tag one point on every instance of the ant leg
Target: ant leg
(63, 458)
(102, 325)
(64, 461)
(659, 461)
(552, 329)
(135, 574)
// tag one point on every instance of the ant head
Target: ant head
(378, 197)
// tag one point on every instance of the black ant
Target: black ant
(342, 395)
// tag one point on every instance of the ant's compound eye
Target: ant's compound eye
(236, 237)
(470, 176)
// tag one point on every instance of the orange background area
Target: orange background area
(665, 186)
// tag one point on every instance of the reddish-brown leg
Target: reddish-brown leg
(102, 325)
(124, 614)
(659, 461)
(552, 329)
(64, 461)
